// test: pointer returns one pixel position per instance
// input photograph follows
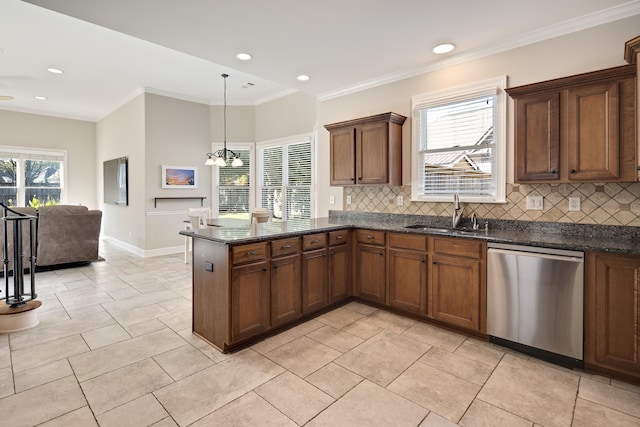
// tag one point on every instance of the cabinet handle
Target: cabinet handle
(381, 253)
(421, 259)
(553, 171)
(275, 267)
(370, 237)
(264, 269)
(251, 252)
(572, 171)
(433, 262)
(324, 254)
(285, 247)
(333, 253)
(338, 237)
(315, 241)
(359, 178)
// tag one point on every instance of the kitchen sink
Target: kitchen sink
(428, 228)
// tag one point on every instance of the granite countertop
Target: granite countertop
(615, 239)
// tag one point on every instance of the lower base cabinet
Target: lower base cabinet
(285, 290)
(407, 283)
(458, 283)
(612, 313)
(250, 300)
(314, 280)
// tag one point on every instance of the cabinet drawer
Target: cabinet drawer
(285, 247)
(249, 253)
(314, 241)
(407, 241)
(341, 237)
(370, 237)
(458, 247)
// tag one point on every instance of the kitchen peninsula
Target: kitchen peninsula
(254, 280)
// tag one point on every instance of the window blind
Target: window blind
(456, 148)
(234, 188)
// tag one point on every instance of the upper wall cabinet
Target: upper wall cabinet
(577, 129)
(366, 151)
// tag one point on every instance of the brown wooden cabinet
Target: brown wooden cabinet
(407, 284)
(285, 281)
(370, 265)
(457, 288)
(315, 280)
(366, 151)
(250, 299)
(577, 129)
(612, 313)
(339, 265)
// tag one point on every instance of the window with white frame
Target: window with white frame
(233, 192)
(31, 177)
(459, 143)
(286, 175)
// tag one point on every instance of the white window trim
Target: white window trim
(20, 177)
(250, 146)
(487, 87)
(280, 142)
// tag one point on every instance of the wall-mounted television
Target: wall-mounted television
(116, 185)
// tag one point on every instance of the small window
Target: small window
(286, 177)
(459, 143)
(31, 177)
(233, 186)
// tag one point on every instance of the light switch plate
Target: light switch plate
(535, 203)
(399, 201)
(332, 200)
(348, 200)
(574, 204)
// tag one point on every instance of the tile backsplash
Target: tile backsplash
(604, 204)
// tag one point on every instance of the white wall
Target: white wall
(177, 134)
(122, 133)
(589, 50)
(78, 137)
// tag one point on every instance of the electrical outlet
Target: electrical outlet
(348, 200)
(399, 201)
(574, 204)
(535, 203)
(332, 200)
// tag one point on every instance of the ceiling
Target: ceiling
(111, 51)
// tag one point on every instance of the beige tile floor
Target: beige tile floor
(114, 348)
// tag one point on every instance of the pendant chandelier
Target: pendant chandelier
(220, 157)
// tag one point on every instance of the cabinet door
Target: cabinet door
(612, 312)
(537, 142)
(342, 151)
(314, 280)
(408, 280)
(285, 289)
(455, 291)
(370, 273)
(339, 273)
(593, 145)
(372, 153)
(249, 301)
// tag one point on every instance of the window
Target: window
(233, 189)
(31, 177)
(286, 178)
(459, 143)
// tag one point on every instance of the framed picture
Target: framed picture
(179, 177)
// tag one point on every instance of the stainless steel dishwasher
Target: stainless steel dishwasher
(535, 301)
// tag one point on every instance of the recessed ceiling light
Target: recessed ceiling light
(444, 48)
(303, 77)
(6, 98)
(40, 98)
(243, 56)
(55, 70)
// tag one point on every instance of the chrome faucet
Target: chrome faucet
(458, 210)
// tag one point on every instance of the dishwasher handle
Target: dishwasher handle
(568, 258)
